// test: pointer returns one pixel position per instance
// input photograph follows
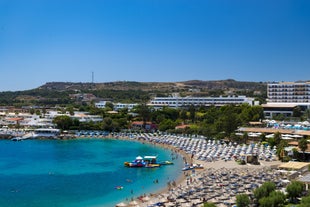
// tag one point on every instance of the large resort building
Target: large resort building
(284, 97)
(289, 92)
(177, 102)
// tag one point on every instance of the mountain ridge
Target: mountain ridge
(151, 86)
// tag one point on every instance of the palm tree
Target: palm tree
(303, 146)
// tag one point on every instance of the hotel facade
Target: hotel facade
(176, 101)
(289, 92)
(284, 97)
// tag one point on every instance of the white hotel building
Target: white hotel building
(289, 92)
(176, 101)
(283, 97)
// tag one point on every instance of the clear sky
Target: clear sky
(152, 40)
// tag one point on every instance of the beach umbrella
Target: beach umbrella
(187, 204)
(170, 197)
(133, 203)
(163, 200)
(170, 204)
(145, 198)
(121, 204)
(270, 136)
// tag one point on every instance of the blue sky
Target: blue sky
(152, 40)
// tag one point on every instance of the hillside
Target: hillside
(65, 93)
(156, 86)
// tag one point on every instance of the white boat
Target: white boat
(17, 139)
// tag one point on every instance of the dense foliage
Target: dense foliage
(264, 190)
(294, 190)
(242, 200)
(208, 204)
(211, 122)
(267, 196)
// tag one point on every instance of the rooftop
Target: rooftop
(279, 105)
(294, 165)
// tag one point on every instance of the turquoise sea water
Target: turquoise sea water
(78, 173)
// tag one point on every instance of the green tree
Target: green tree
(70, 110)
(170, 113)
(245, 137)
(264, 190)
(242, 200)
(208, 204)
(38, 112)
(305, 201)
(278, 198)
(262, 137)
(109, 106)
(251, 113)
(192, 113)
(280, 149)
(75, 124)
(32, 111)
(266, 202)
(183, 115)
(303, 146)
(167, 124)
(122, 123)
(275, 140)
(63, 122)
(294, 189)
(295, 153)
(211, 115)
(109, 124)
(44, 111)
(297, 112)
(227, 123)
(144, 112)
(307, 114)
(275, 199)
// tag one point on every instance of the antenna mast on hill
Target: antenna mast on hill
(92, 77)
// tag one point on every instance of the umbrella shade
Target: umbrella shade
(146, 198)
(170, 204)
(163, 200)
(121, 204)
(133, 203)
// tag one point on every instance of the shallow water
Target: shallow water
(83, 172)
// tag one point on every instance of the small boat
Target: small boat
(17, 139)
(188, 168)
(166, 163)
(138, 162)
(147, 161)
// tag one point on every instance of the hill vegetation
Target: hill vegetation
(63, 93)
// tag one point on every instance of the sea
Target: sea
(81, 172)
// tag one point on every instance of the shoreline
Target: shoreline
(177, 180)
(190, 179)
(182, 177)
(186, 157)
(187, 179)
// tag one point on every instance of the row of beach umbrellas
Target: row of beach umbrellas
(211, 150)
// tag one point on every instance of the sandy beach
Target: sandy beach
(218, 181)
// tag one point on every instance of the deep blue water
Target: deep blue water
(81, 172)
